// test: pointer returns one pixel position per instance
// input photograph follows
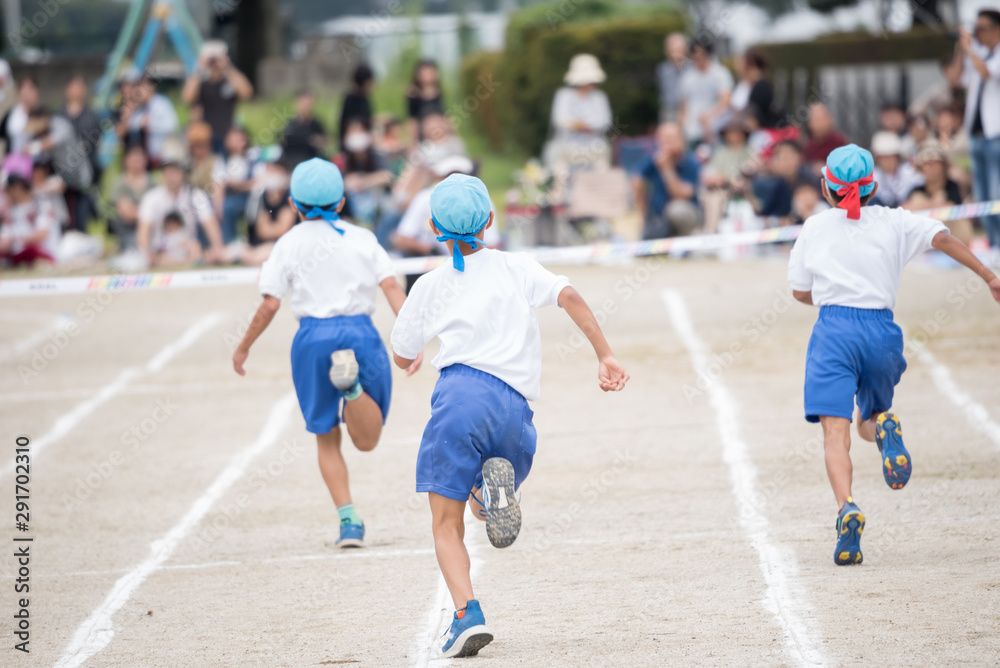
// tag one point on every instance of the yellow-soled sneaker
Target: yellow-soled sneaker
(896, 463)
(850, 526)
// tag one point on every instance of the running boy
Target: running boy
(333, 269)
(480, 441)
(848, 260)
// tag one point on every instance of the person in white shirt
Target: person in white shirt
(848, 260)
(895, 176)
(333, 270)
(176, 195)
(149, 114)
(480, 441)
(981, 79)
(581, 118)
(13, 127)
(29, 228)
(414, 236)
(705, 93)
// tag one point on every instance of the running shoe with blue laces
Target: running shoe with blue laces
(351, 535)
(896, 463)
(850, 526)
(468, 633)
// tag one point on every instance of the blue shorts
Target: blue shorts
(474, 416)
(315, 341)
(853, 352)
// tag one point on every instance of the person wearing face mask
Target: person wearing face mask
(365, 177)
(271, 214)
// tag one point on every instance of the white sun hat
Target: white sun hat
(886, 143)
(584, 69)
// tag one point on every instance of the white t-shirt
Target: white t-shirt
(415, 226)
(858, 263)
(700, 91)
(328, 274)
(191, 203)
(24, 220)
(482, 316)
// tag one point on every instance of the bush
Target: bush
(628, 49)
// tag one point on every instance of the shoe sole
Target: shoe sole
(503, 516)
(848, 551)
(896, 463)
(343, 369)
(469, 642)
(348, 543)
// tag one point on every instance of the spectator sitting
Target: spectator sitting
(14, 123)
(365, 176)
(176, 246)
(917, 134)
(665, 187)
(950, 136)
(216, 86)
(203, 161)
(581, 118)
(771, 193)
(304, 137)
(146, 116)
(896, 177)
(944, 93)
(938, 190)
(30, 230)
(730, 162)
(423, 98)
(356, 105)
(389, 144)
(175, 194)
(53, 138)
(414, 236)
(273, 214)
(233, 180)
(823, 137)
(669, 74)
(705, 93)
(127, 193)
(49, 188)
(440, 140)
(806, 201)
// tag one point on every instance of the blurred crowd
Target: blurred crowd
(207, 191)
(724, 157)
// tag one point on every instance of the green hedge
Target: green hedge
(527, 76)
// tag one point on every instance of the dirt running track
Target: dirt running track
(179, 518)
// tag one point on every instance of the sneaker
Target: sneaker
(850, 526)
(467, 634)
(896, 464)
(344, 372)
(351, 535)
(503, 514)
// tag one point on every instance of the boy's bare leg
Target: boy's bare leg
(837, 446)
(332, 466)
(866, 428)
(363, 418)
(476, 504)
(449, 537)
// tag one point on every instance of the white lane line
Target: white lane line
(138, 389)
(68, 421)
(975, 412)
(440, 615)
(59, 323)
(777, 565)
(94, 634)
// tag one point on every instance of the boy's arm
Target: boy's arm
(261, 319)
(806, 297)
(959, 252)
(611, 375)
(394, 293)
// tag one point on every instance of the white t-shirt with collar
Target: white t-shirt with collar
(329, 274)
(482, 316)
(858, 263)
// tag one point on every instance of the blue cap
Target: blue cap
(460, 208)
(849, 164)
(317, 182)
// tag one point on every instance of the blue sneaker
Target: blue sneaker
(468, 634)
(351, 535)
(896, 463)
(850, 526)
(503, 513)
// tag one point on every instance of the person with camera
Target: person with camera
(217, 86)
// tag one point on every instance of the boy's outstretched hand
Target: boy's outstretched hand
(611, 375)
(995, 288)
